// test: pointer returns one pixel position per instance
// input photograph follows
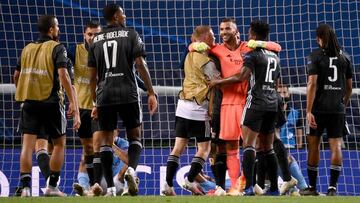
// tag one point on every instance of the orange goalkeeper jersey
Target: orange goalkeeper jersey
(231, 64)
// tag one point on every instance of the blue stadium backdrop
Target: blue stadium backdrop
(165, 27)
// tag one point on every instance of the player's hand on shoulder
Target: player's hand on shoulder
(253, 44)
(152, 103)
(198, 47)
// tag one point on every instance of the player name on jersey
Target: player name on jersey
(111, 35)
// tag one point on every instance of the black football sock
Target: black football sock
(221, 168)
(196, 167)
(134, 152)
(54, 178)
(312, 174)
(90, 167)
(272, 168)
(282, 157)
(261, 169)
(43, 160)
(25, 179)
(98, 174)
(334, 175)
(248, 165)
(171, 167)
(106, 155)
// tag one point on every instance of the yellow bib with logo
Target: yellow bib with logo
(37, 72)
(82, 77)
(194, 85)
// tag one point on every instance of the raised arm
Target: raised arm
(269, 45)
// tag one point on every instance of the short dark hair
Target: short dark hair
(260, 28)
(329, 39)
(226, 20)
(91, 24)
(109, 11)
(45, 22)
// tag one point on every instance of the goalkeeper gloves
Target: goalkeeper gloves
(256, 44)
(199, 47)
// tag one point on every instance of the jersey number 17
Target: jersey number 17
(113, 44)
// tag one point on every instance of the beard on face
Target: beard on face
(56, 37)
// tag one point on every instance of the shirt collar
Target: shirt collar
(44, 38)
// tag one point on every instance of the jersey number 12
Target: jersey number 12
(271, 66)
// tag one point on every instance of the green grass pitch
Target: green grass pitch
(183, 199)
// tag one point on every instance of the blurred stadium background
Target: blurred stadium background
(166, 27)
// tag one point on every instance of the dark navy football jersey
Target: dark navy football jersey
(113, 53)
(332, 73)
(265, 71)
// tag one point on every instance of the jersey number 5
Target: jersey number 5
(271, 66)
(112, 44)
(331, 65)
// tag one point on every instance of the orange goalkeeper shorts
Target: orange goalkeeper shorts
(230, 121)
